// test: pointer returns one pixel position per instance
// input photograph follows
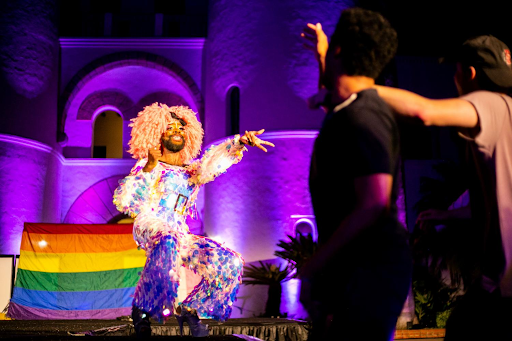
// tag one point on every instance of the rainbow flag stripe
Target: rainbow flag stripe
(76, 272)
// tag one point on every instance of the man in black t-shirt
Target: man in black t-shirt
(359, 279)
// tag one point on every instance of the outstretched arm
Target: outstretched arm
(218, 158)
(453, 112)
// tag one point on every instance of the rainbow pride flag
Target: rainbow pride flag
(71, 271)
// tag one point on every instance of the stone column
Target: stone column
(29, 57)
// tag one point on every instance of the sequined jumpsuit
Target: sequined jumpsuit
(160, 201)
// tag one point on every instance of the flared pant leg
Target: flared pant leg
(157, 288)
(221, 271)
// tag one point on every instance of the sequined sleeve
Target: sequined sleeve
(133, 191)
(216, 160)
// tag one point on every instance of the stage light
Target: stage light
(43, 243)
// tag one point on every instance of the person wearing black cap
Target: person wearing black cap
(482, 114)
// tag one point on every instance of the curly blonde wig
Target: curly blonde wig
(152, 122)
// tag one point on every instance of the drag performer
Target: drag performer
(160, 193)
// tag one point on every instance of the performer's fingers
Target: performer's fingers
(250, 138)
(259, 132)
(267, 143)
(261, 147)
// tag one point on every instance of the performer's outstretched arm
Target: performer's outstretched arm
(218, 158)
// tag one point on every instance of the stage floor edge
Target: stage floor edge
(280, 329)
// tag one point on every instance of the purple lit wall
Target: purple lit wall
(262, 54)
(29, 69)
(28, 118)
(250, 207)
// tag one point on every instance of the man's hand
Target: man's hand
(153, 156)
(316, 41)
(433, 215)
(252, 140)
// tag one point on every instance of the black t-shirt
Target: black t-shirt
(358, 140)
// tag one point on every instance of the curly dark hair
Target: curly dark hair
(366, 40)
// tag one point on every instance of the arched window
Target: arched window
(305, 225)
(233, 111)
(108, 136)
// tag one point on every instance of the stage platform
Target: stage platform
(252, 329)
(236, 329)
(255, 329)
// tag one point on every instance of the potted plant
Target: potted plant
(297, 250)
(272, 275)
(443, 256)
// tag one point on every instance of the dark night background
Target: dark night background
(425, 28)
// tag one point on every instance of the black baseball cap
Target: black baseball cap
(486, 53)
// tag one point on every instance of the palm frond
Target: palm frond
(265, 273)
(298, 250)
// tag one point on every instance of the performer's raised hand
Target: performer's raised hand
(250, 138)
(154, 155)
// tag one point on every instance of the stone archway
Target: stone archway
(123, 103)
(100, 98)
(119, 60)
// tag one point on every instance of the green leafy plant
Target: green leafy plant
(297, 250)
(265, 273)
(433, 299)
(444, 259)
(271, 275)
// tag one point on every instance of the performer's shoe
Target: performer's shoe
(197, 328)
(141, 323)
